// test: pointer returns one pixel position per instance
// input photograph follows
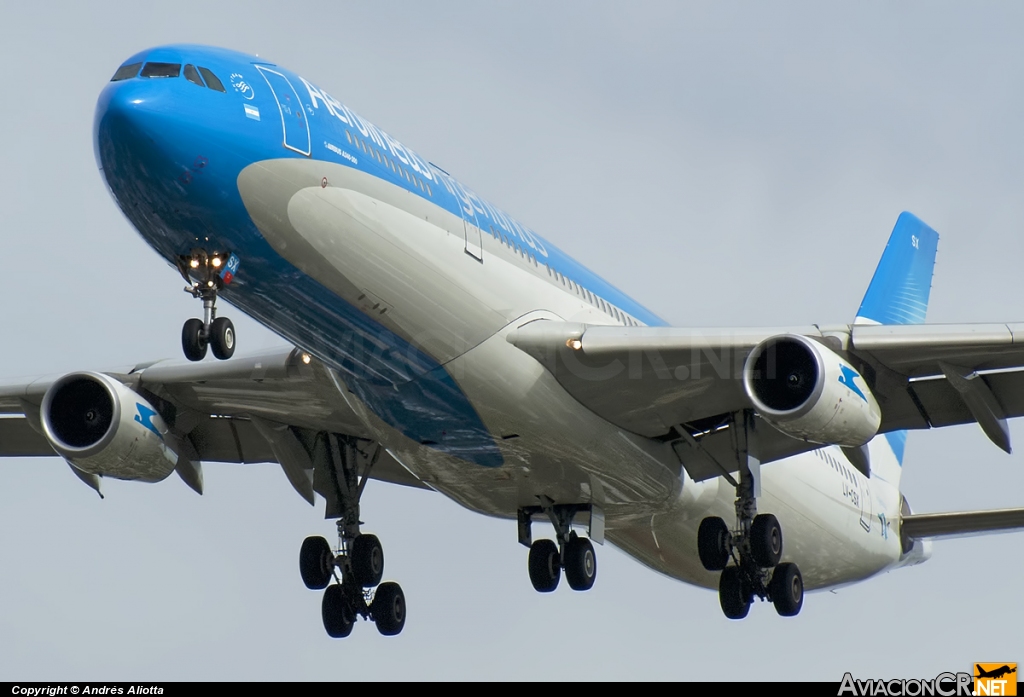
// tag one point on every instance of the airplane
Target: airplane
(441, 344)
(996, 672)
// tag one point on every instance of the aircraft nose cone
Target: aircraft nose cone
(128, 117)
(144, 140)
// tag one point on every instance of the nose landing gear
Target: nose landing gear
(754, 547)
(213, 272)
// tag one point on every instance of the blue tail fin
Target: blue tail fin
(899, 290)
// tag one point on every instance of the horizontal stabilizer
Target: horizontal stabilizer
(920, 525)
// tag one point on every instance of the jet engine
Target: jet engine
(104, 428)
(809, 392)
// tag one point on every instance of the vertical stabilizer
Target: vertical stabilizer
(899, 290)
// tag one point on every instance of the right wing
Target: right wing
(252, 409)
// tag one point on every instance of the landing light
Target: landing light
(194, 263)
(306, 358)
(209, 284)
(216, 262)
(574, 344)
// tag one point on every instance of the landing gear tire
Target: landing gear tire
(787, 589)
(545, 566)
(193, 342)
(580, 564)
(733, 594)
(316, 563)
(388, 609)
(713, 538)
(222, 338)
(367, 560)
(766, 540)
(337, 612)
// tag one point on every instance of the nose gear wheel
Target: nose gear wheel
(207, 274)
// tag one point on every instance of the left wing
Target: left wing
(668, 382)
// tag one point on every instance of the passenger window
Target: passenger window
(349, 136)
(211, 80)
(192, 75)
(126, 72)
(161, 70)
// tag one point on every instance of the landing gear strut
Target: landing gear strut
(357, 562)
(572, 553)
(754, 546)
(213, 272)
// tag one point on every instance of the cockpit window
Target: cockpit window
(126, 72)
(211, 80)
(192, 75)
(161, 70)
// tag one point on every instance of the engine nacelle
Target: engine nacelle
(105, 428)
(809, 392)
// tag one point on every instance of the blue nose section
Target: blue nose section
(154, 139)
(135, 127)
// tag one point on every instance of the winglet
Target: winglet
(899, 290)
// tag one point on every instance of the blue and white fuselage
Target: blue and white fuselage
(406, 283)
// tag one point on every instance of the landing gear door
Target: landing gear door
(293, 114)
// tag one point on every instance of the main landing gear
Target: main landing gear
(356, 564)
(572, 553)
(754, 546)
(213, 272)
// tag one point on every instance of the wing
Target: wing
(255, 409)
(683, 385)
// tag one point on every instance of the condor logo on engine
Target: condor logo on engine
(847, 378)
(145, 417)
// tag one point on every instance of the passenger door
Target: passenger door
(293, 114)
(470, 225)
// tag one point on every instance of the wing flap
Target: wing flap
(19, 439)
(939, 404)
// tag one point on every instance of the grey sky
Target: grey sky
(724, 163)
